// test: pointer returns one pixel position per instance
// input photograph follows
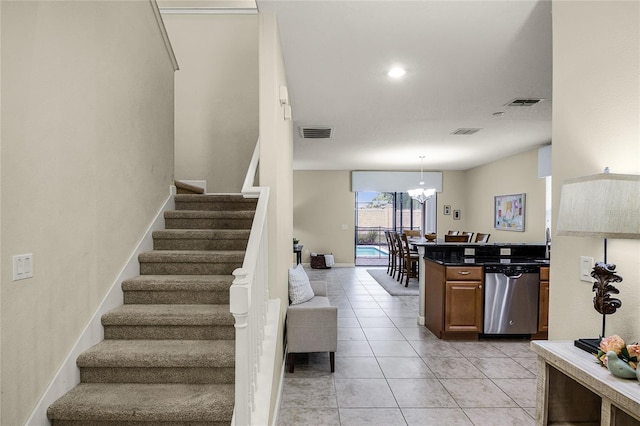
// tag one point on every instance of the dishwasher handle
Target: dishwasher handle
(515, 277)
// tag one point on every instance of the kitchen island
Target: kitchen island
(455, 302)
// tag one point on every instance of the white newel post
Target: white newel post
(239, 306)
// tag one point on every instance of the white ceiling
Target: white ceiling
(465, 60)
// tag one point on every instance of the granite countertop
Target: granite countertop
(480, 254)
(482, 261)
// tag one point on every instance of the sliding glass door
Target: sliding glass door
(377, 212)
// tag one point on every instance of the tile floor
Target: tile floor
(391, 371)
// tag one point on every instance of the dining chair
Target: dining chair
(482, 238)
(391, 265)
(456, 239)
(399, 256)
(410, 261)
(468, 234)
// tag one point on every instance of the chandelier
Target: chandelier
(421, 194)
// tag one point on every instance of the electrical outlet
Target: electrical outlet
(22, 266)
(586, 265)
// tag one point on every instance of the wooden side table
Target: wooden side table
(573, 389)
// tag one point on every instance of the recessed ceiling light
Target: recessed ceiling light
(396, 72)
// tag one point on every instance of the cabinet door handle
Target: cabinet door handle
(464, 272)
(480, 287)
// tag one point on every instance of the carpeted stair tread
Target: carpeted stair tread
(172, 315)
(192, 256)
(187, 188)
(177, 289)
(159, 353)
(178, 283)
(153, 403)
(203, 234)
(214, 202)
(198, 198)
(201, 239)
(204, 214)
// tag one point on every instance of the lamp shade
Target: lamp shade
(600, 206)
(421, 194)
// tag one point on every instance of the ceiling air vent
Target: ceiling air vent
(524, 102)
(465, 131)
(316, 132)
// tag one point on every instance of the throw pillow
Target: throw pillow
(299, 286)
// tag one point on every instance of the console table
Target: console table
(573, 389)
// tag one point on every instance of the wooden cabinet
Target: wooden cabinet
(463, 306)
(543, 310)
(453, 300)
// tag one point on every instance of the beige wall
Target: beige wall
(513, 175)
(595, 124)
(454, 194)
(322, 204)
(216, 109)
(276, 158)
(87, 160)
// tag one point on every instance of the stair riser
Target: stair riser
(176, 297)
(157, 375)
(215, 206)
(179, 268)
(192, 244)
(160, 332)
(226, 223)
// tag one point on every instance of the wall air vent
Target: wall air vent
(465, 131)
(524, 102)
(316, 132)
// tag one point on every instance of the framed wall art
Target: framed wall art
(509, 212)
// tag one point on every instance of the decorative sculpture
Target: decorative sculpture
(605, 273)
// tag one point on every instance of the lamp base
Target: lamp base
(588, 345)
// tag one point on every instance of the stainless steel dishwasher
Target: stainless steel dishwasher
(511, 299)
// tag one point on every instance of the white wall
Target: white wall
(276, 159)
(216, 109)
(87, 160)
(595, 124)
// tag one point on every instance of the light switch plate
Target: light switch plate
(586, 265)
(22, 266)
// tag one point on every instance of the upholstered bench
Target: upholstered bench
(312, 326)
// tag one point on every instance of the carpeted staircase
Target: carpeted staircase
(169, 352)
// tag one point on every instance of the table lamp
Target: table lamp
(605, 206)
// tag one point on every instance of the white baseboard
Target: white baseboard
(276, 412)
(68, 375)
